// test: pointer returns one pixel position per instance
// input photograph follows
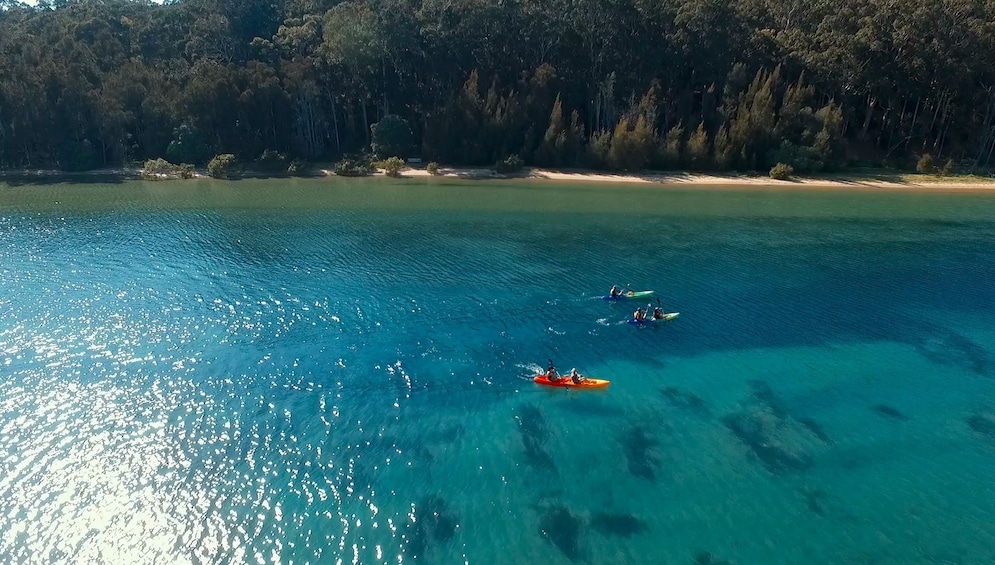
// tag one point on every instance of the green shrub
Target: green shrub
(272, 162)
(926, 165)
(221, 166)
(781, 171)
(298, 167)
(801, 159)
(598, 149)
(156, 169)
(432, 168)
(392, 166)
(511, 164)
(352, 168)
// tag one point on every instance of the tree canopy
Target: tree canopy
(619, 84)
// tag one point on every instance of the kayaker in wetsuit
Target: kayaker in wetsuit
(658, 313)
(615, 291)
(576, 377)
(639, 315)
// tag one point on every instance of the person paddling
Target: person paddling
(576, 377)
(615, 291)
(639, 315)
(658, 311)
(551, 372)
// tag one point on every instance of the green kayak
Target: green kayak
(632, 295)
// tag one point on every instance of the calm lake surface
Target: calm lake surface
(324, 371)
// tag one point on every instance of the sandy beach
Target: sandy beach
(869, 180)
(854, 180)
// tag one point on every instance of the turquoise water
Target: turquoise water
(324, 372)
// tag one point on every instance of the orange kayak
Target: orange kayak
(567, 382)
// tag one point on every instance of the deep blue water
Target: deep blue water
(208, 373)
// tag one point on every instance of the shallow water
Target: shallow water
(324, 371)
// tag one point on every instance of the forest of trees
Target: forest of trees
(615, 84)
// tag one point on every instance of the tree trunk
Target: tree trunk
(943, 138)
(915, 118)
(366, 123)
(335, 124)
(991, 148)
(871, 102)
(885, 125)
(987, 136)
(932, 124)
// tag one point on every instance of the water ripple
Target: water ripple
(228, 385)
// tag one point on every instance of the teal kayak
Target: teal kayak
(632, 295)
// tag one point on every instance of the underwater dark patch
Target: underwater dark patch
(685, 400)
(814, 501)
(438, 519)
(953, 349)
(982, 424)
(766, 396)
(759, 431)
(416, 538)
(706, 558)
(534, 432)
(562, 528)
(434, 522)
(531, 422)
(816, 429)
(621, 525)
(889, 412)
(640, 452)
(448, 434)
(537, 456)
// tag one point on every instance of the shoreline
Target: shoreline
(860, 180)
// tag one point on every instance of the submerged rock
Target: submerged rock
(537, 456)
(765, 396)
(762, 432)
(982, 424)
(439, 521)
(562, 528)
(816, 429)
(706, 558)
(685, 400)
(534, 433)
(889, 412)
(640, 453)
(780, 439)
(531, 423)
(416, 539)
(947, 347)
(621, 525)
(814, 500)
(433, 522)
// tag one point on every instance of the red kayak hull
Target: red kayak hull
(567, 382)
